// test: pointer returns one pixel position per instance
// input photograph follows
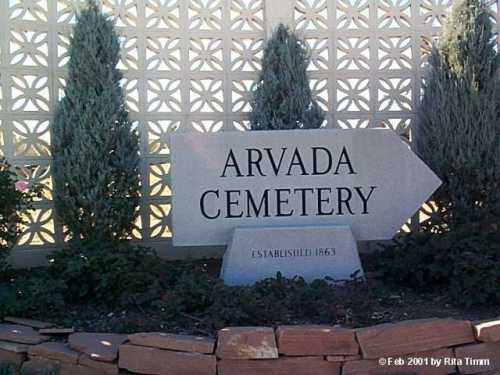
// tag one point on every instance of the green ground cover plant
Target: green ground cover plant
(129, 289)
(121, 276)
(464, 265)
(46, 371)
(7, 369)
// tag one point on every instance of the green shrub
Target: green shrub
(457, 131)
(7, 369)
(85, 283)
(14, 198)
(102, 274)
(31, 292)
(282, 98)
(49, 370)
(95, 150)
(463, 264)
(206, 299)
(114, 273)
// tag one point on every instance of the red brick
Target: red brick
(54, 350)
(183, 343)
(316, 340)
(372, 366)
(14, 347)
(247, 343)
(342, 358)
(282, 366)
(488, 331)
(107, 368)
(99, 346)
(146, 360)
(67, 369)
(489, 351)
(336, 358)
(413, 336)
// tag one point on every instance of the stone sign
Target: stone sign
(366, 179)
(311, 252)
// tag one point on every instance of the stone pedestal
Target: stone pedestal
(311, 252)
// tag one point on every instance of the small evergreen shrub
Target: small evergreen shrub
(197, 295)
(103, 274)
(29, 292)
(458, 132)
(8, 369)
(86, 282)
(49, 370)
(282, 98)
(458, 136)
(96, 161)
(463, 264)
(107, 273)
(14, 198)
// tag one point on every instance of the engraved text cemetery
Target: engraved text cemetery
(326, 200)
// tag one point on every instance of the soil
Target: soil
(392, 304)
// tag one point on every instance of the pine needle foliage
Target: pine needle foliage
(458, 132)
(95, 150)
(282, 98)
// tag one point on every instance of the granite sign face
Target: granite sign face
(366, 179)
(311, 252)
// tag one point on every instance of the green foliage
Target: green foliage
(12, 203)
(7, 369)
(459, 118)
(206, 299)
(49, 370)
(282, 98)
(97, 278)
(463, 263)
(96, 162)
(469, 44)
(31, 291)
(458, 137)
(102, 274)
(116, 274)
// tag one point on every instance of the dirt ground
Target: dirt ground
(391, 304)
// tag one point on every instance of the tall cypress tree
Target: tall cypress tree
(96, 162)
(282, 98)
(458, 132)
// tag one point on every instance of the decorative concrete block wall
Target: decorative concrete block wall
(189, 66)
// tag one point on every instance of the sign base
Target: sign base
(312, 252)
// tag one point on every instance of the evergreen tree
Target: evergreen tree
(282, 98)
(458, 132)
(96, 162)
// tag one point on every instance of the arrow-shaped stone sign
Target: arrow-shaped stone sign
(367, 179)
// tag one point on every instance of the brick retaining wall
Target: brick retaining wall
(452, 345)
